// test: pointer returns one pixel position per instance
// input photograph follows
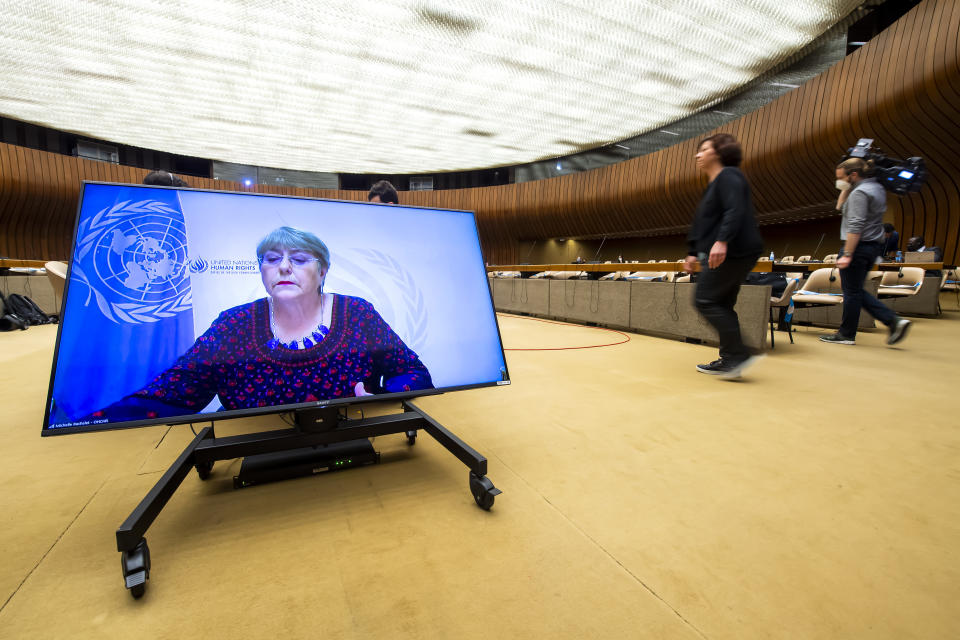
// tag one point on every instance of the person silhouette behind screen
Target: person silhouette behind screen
(383, 192)
(161, 178)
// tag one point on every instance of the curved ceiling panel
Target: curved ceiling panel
(387, 86)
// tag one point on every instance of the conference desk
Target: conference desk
(10, 263)
(760, 267)
(665, 308)
(659, 308)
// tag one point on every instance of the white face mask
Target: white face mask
(842, 185)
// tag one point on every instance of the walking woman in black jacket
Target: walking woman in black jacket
(725, 241)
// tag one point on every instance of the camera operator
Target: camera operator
(863, 202)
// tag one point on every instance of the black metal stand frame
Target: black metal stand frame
(314, 427)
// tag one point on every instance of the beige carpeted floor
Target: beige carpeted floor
(819, 497)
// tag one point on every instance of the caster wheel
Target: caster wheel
(136, 568)
(204, 469)
(411, 438)
(483, 491)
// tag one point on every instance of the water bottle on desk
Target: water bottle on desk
(771, 256)
(899, 257)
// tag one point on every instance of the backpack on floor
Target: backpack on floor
(25, 310)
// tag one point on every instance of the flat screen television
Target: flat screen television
(184, 305)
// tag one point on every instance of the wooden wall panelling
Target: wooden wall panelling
(659, 189)
(940, 72)
(21, 185)
(656, 193)
(68, 207)
(761, 165)
(33, 193)
(882, 98)
(928, 102)
(40, 213)
(935, 194)
(619, 199)
(15, 194)
(44, 202)
(891, 68)
(808, 111)
(8, 194)
(776, 143)
(53, 214)
(27, 193)
(649, 194)
(66, 210)
(922, 209)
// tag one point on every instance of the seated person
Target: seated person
(298, 344)
(916, 243)
(891, 240)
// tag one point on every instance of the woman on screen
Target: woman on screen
(298, 344)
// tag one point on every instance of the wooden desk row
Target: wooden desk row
(658, 308)
(760, 267)
(809, 267)
(10, 263)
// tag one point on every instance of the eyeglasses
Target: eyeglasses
(273, 259)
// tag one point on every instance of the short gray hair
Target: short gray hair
(289, 238)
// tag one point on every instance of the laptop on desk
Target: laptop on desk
(920, 256)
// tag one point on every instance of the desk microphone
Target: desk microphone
(527, 259)
(814, 254)
(596, 257)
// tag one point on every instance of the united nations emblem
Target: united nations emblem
(133, 257)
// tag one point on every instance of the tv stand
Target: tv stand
(315, 430)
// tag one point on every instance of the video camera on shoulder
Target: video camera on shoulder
(899, 176)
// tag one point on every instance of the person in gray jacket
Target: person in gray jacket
(863, 203)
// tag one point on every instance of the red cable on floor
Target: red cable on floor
(589, 346)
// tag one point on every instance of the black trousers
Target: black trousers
(854, 297)
(715, 296)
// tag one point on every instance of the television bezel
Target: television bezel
(47, 430)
